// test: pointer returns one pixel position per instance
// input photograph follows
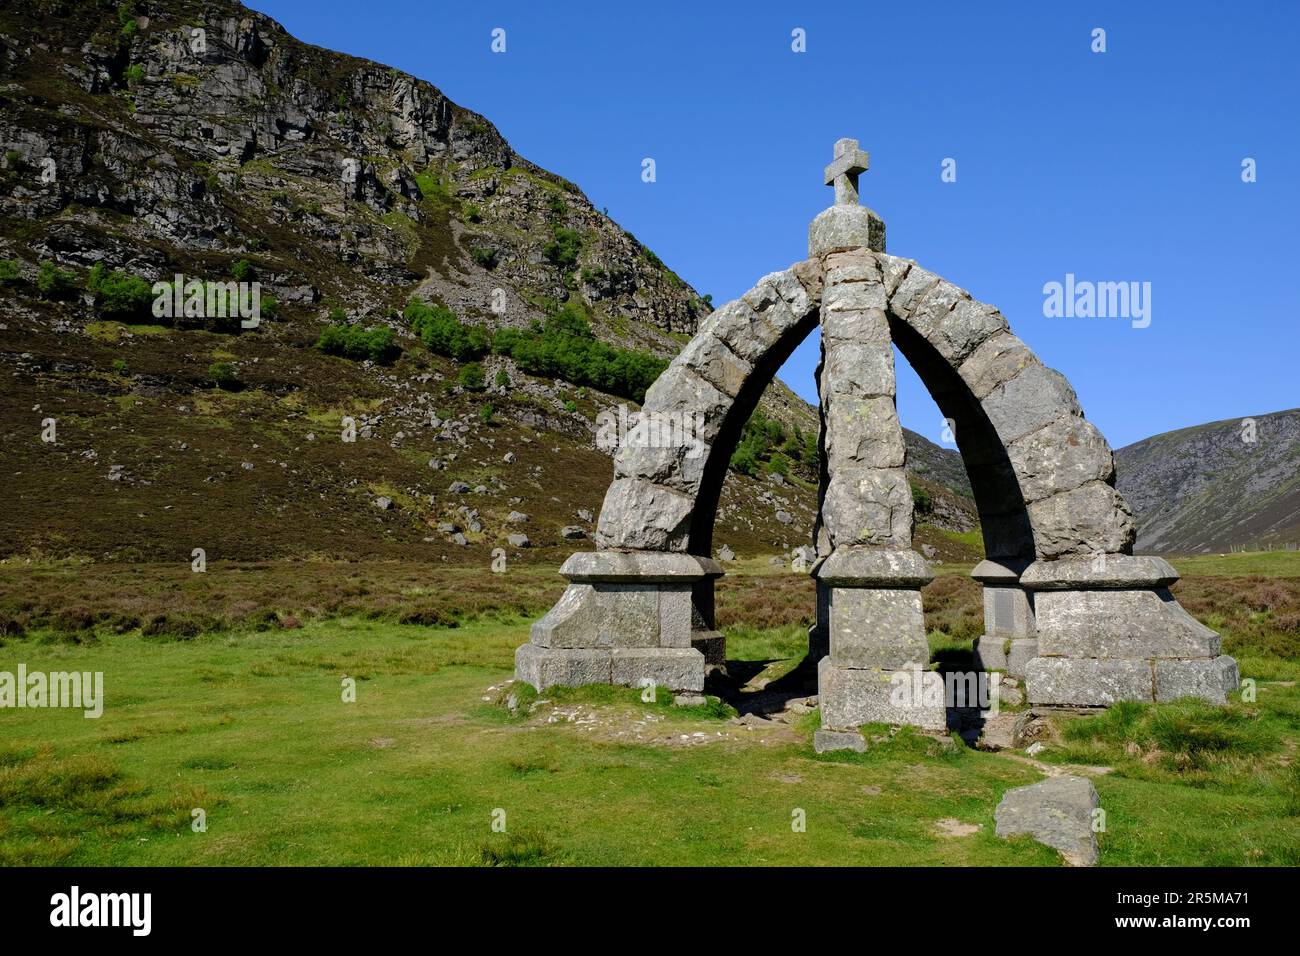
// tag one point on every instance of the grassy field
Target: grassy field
(250, 726)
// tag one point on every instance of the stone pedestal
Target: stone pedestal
(625, 618)
(1010, 638)
(875, 671)
(1109, 630)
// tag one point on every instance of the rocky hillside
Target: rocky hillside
(1224, 485)
(145, 140)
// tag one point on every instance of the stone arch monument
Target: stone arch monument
(1067, 604)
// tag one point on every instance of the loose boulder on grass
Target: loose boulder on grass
(1057, 812)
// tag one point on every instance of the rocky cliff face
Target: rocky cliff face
(1229, 484)
(184, 135)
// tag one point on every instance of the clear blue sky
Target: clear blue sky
(1115, 166)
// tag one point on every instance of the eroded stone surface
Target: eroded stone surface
(1057, 812)
(1145, 624)
(1065, 681)
(643, 515)
(850, 697)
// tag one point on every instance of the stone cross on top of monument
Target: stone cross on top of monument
(849, 162)
(846, 224)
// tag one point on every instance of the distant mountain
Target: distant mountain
(1213, 487)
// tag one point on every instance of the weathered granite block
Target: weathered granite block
(1057, 812)
(1000, 358)
(1211, 680)
(845, 227)
(858, 432)
(1011, 655)
(877, 627)
(1061, 456)
(1120, 624)
(868, 506)
(545, 667)
(850, 698)
(825, 740)
(627, 614)
(1089, 519)
(991, 652)
(1019, 654)
(1084, 682)
(641, 515)
(678, 669)
(625, 601)
(675, 616)
(1031, 399)
(712, 644)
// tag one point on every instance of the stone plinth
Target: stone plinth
(1110, 630)
(1010, 638)
(625, 618)
(875, 670)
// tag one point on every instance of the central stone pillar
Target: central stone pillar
(870, 584)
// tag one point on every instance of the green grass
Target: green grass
(1278, 564)
(251, 727)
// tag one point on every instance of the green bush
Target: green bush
(503, 378)
(487, 258)
(561, 348)
(223, 375)
(563, 250)
(765, 445)
(471, 377)
(119, 366)
(126, 20)
(486, 412)
(55, 283)
(242, 271)
(118, 294)
(441, 332)
(9, 271)
(354, 342)
(565, 348)
(921, 500)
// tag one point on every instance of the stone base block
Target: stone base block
(991, 652)
(712, 644)
(1084, 682)
(676, 668)
(826, 740)
(1022, 651)
(1011, 655)
(850, 698)
(1211, 680)
(877, 628)
(679, 669)
(1064, 681)
(1120, 624)
(845, 226)
(545, 667)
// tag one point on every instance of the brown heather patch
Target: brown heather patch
(169, 601)
(1255, 614)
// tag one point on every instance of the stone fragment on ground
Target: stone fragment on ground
(1057, 812)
